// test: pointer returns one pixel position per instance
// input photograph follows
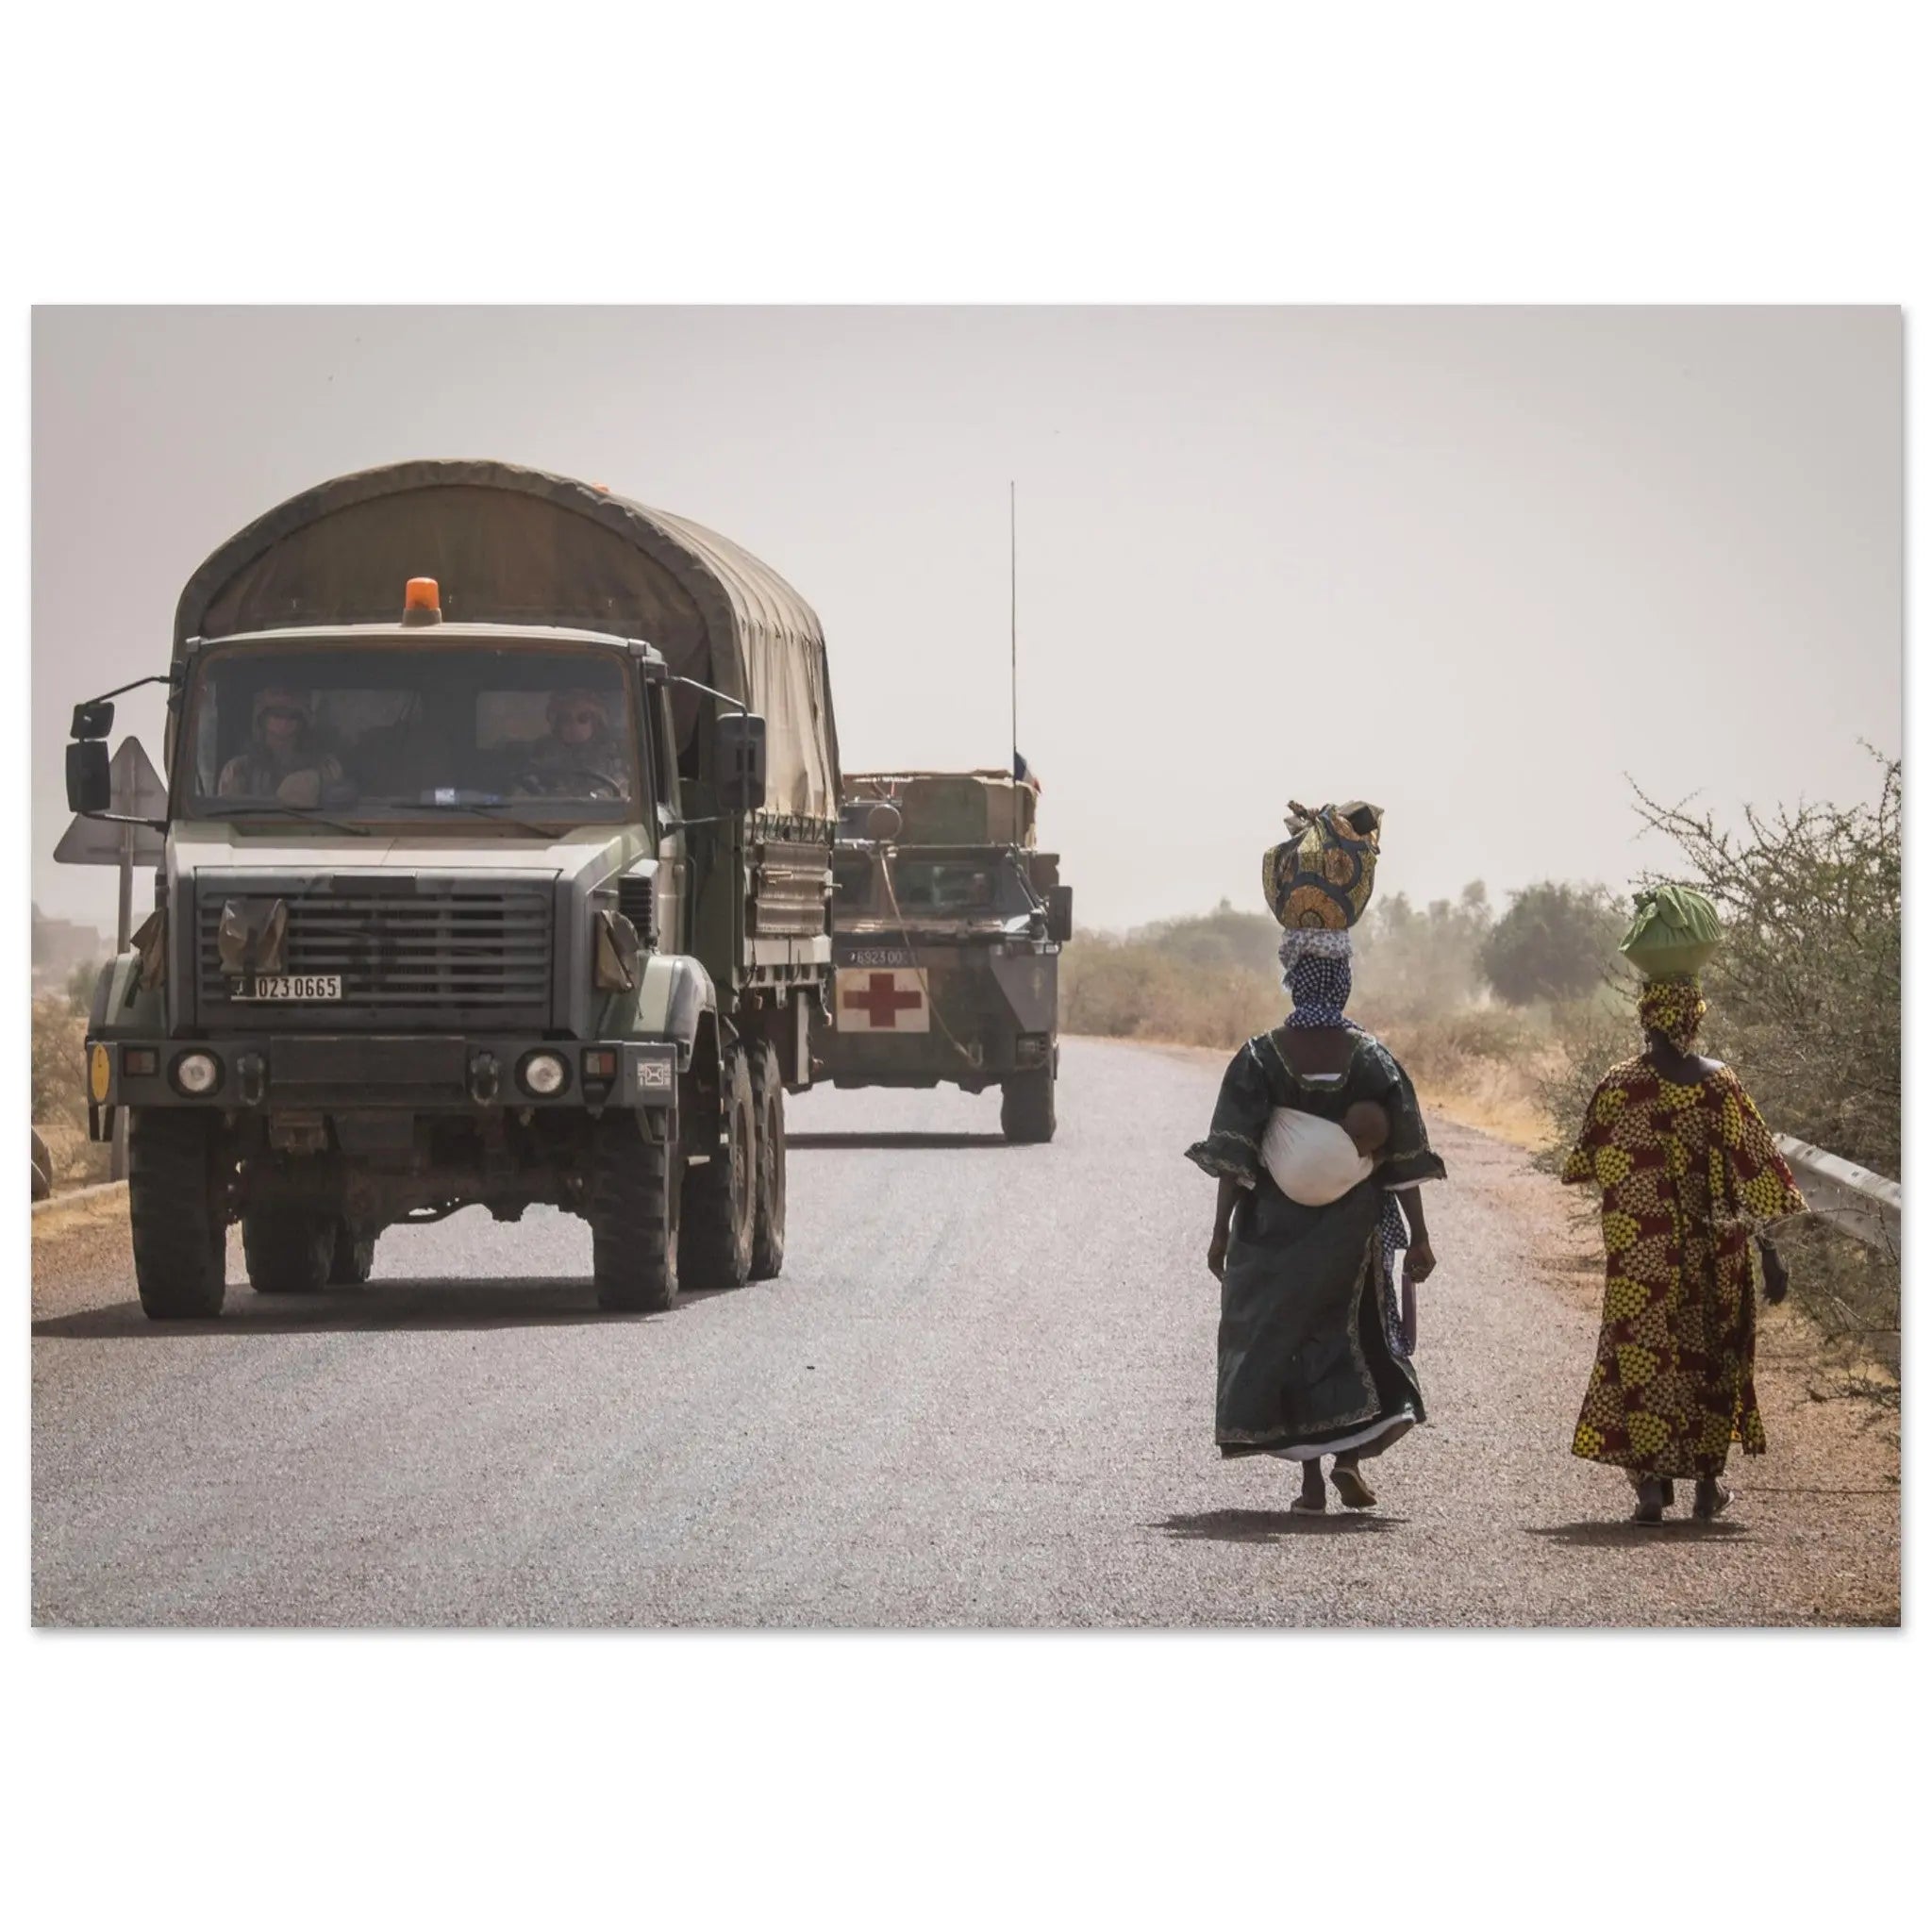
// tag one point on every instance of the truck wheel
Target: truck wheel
(720, 1198)
(289, 1250)
(177, 1212)
(352, 1260)
(1026, 1112)
(633, 1209)
(768, 1107)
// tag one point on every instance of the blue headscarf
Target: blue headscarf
(1319, 985)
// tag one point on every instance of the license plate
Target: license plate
(887, 957)
(290, 985)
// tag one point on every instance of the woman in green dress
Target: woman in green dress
(1314, 1359)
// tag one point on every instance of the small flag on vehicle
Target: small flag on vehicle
(1023, 773)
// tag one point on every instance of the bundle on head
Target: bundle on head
(1319, 878)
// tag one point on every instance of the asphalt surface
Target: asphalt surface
(980, 1394)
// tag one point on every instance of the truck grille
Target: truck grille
(447, 951)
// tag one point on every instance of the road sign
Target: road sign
(138, 793)
(135, 791)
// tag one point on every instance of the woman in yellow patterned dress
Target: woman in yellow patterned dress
(1690, 1177)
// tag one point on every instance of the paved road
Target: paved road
(980, 1394)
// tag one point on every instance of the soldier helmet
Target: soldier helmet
(278, 697)
(575, 698)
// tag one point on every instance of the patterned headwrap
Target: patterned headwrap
(1674, 1009)
(1315, 973)
(1320, 988)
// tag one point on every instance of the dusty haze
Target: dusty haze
(1475, 565)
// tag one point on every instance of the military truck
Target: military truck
(947, 925)
(498, 871)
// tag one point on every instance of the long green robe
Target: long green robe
(1310, 1358)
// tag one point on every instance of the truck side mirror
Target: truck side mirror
(1060, 914)
(93, 720)
(740, 745)
(88, 787)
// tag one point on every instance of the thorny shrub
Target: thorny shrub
(1804, 990)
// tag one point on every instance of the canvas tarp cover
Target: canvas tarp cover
(982, 808)
(512, 545)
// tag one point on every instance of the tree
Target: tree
(1408, 962)
(1555, 943)
(80, 987)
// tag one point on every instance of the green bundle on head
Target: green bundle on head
(1674, 934)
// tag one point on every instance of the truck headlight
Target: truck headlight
(543, 1074)
(195, 1072)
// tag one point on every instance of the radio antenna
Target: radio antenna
(1014, 590)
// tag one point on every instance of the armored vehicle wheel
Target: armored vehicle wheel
(289, 1250)
(1026, 1110)
(634, 1215)
(177, 1212)
(721, 1197)
(768, 1107)
(352, 1261)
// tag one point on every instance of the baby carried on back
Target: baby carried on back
(1315, 1161)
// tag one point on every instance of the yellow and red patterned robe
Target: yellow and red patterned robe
(1687, 1175)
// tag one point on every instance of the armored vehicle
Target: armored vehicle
(497, 870)
(947, 925)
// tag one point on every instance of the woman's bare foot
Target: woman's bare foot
(1349, 1487)
(1650, 1501)
(1712, 1501)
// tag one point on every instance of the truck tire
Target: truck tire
(634, 1213)
(352, 1259)
(721, 1197)
(767, 1109)
(289, 1250)
(1026, 1108)
(176, 1213)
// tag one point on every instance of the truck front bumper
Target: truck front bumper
(426, 1074)
(982, 1056)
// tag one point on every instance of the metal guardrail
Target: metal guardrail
(1864, 1203)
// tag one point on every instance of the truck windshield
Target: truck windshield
(959, 887)
(852, 882)
(368, 727)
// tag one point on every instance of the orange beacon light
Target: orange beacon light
(422, 601)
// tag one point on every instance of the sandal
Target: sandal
(1650, 1502)
(1712, 1500)
(1309, 1506)
(1349, 1487)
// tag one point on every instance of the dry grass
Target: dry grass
(59, 1060)
(1131, 989)
(1484, 1067)
(1213, 983)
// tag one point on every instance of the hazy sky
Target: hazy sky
(1474, 565)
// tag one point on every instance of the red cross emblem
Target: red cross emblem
(873, 1002)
